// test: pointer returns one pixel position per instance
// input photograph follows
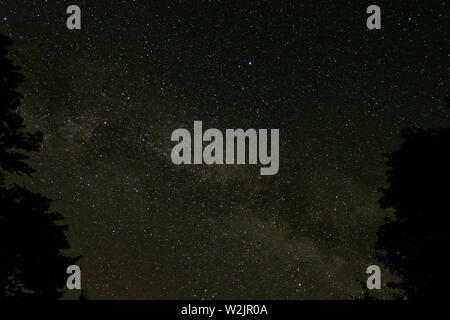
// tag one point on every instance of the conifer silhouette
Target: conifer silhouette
(31, 237)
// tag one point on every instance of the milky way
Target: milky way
(108, 96)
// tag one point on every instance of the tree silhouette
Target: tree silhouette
(31, 237)
(415, 244)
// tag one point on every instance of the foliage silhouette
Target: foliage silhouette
(415, 244)
(31, 237)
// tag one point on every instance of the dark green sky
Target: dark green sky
(108, 96)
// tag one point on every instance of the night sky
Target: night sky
(107, 98)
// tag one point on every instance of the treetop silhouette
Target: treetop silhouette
(415, 244)
(31, 237)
